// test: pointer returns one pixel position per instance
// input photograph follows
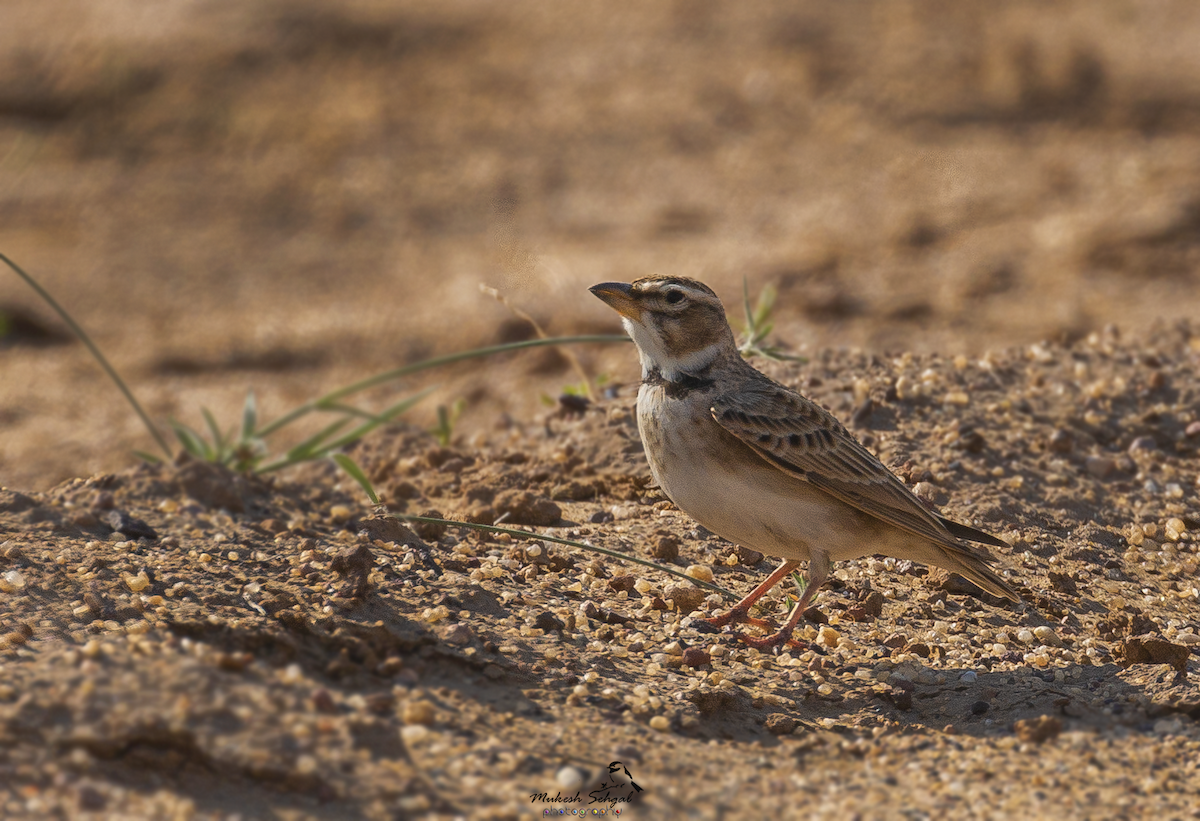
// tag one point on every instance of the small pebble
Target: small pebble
(569, 778)
(1100, 467)
(414, 733)
(1143, 443)
(980, 707)
(969, 677)
(660, 723)
(137, 583)
(1061, 442)
(1046, 635)
(418, 711)
(1174, 528)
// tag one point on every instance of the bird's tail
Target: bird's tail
(965, 562)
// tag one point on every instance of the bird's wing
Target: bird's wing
(805, 440)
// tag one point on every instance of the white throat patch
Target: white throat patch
(655, 357)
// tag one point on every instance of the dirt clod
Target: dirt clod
(1148, 649)
(525, 508)
(1038, 730)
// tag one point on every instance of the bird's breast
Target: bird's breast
(724, 485)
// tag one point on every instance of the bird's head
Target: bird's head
(678, 324)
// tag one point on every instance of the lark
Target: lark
(764, 467)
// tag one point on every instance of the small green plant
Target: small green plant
(245, 448)
(759, 326)
(446, 419)
(356, 473)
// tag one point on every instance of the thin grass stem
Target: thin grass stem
(330, 398)
(87, 340)
(615, 554)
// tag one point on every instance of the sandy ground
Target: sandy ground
(986, 220)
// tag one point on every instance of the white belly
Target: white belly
(724, 485)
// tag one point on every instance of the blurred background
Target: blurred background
(288, 196)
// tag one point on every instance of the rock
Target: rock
(746, 556)
(1061, 441)
(709, 701)
(686, 596)
(931, 493)
(1063, 583)
(980, 707)
(458, 634)
(575, 491)
(901, 697)
(522, 507)
(323, 701)
(431, 531)
(872, 603)
(622, 583)
(13, 502)
(780, 724)
(132, 528)
(953, 583)
(815, 615)
(1100, 467)
(1192, 431)
(1149, 649)
(666, 548)
(356, 559)
(389, 529)
(213, 486)
(1038, 730)
(355, 563)
(696, 657)
(1145, 443)
(547, 621)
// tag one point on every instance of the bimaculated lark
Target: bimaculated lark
(761, 465)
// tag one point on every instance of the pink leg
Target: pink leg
(741, 610)
(818, 571)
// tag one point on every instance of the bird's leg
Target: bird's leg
(740, 611)
(818, 571)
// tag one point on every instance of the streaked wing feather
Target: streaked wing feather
(805, 440)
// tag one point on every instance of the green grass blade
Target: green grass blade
(350, 466)
(249, 417)
(381, 419)
(220, 445)
(307, 448)
(330, 399)
(91, 346)
(192, 441)
(616, 554)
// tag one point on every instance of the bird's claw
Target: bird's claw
(773, 643)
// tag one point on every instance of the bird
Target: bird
(617, 765)
(765, 467)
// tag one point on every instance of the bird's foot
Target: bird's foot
(737, 615)
(773, 643)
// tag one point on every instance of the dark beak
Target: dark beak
(619, 296)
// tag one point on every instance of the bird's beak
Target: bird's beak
(619, 296)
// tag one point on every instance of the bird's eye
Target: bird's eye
(674, 296)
